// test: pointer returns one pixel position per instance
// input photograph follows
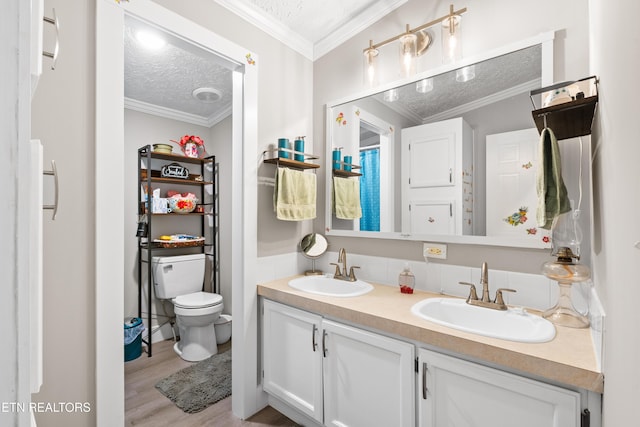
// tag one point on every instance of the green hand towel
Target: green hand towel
(552, 193)
(294, 196)
(346, 198)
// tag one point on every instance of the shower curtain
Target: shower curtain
(370, 189)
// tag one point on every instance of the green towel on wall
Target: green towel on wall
(552, 193)
(346, 198)
(294, 196)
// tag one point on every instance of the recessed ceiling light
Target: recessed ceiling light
(207, 95)
(150, 40)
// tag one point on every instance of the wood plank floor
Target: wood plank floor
(146, 406)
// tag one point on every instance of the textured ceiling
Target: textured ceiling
(495, 79)
(164, 80)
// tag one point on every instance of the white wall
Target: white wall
(339, 73)
(14, 217)
(614, 39)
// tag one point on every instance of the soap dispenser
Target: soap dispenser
(406, 280)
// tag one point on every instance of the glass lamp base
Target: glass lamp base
(563, 313)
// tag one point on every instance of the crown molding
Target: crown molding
(273, 27)
(355, 26)
(169, 113)
(303, 46)
(487, 100)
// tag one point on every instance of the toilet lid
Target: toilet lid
(197, 300)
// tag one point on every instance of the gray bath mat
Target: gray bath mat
(197, 386)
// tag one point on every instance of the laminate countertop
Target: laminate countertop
(568, 359)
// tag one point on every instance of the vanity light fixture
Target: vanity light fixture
(414, 42)
(408, 53)
(424, 85)
(451, 46)
(391, 95)
(370, 65)
(465, 74)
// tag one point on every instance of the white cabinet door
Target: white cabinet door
(431, 156)
(368, 378)
(292, 357)
(432, 217)
(456, 393)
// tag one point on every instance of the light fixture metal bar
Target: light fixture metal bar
(417, 29)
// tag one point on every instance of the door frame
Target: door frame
(109, 217)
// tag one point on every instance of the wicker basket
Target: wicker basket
(179, 244)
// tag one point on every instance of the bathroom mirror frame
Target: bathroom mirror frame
(544, 40)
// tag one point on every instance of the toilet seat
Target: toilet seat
(197, 300)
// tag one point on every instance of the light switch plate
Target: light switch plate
(434, 250)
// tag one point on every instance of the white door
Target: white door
(292, 358)
(457, 393)
(368, 378)
(512, 164)
(432, 217)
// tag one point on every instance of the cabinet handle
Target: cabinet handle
(54, 173)
(450, 175)
(324, 343)
(314, 344)
(56, 23)
(424, 381)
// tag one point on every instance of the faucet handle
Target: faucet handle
(352, 274)
(499, 300)
(473, 296)
(337, 273)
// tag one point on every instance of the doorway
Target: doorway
(110, 224)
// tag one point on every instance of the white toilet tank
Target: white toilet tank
(177, 275)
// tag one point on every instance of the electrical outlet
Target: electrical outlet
(435, 250)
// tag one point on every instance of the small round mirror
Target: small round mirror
(313, 245)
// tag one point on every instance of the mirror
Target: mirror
(370, 129)
(313, 246)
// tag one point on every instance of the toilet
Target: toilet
(179, 279)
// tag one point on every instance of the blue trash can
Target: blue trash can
(133, 338)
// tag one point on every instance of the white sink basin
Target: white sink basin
(512, 324)
(323, 285)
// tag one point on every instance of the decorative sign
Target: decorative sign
(174, 170)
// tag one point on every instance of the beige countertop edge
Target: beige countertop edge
(569, 358)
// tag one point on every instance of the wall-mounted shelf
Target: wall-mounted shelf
(568, 119)
(290, 163)
(344, 173)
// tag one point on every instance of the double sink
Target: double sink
(513, 324)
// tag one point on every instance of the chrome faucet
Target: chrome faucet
(342, 275)
(497, 303)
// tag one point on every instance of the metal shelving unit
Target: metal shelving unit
(208, 218)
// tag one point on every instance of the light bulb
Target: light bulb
(408, 54)
(370, 59)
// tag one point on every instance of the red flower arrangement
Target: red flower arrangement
(189, 138)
